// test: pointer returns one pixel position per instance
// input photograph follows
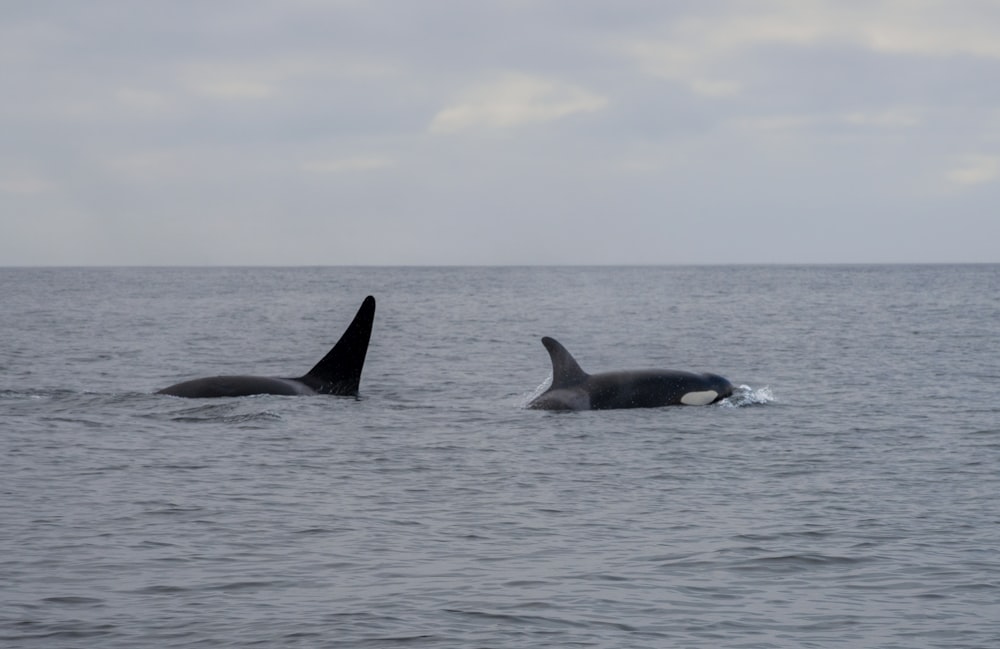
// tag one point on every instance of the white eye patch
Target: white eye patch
(699, 398)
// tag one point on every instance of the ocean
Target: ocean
(846, 496)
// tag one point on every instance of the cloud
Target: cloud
(149, 166)
(236, 89)
(682, 62)
(235, 81)
(890, 118)
(457, 132)
(705, 53)
(897, 118)
(343, 165)
(268, 77)
(515, 100)
(975, 170)
(934, 29)
(24, 185)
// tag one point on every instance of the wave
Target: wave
(744, 396)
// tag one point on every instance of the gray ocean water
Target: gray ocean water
(846, 497)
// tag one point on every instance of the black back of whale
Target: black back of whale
(574, 389)
(338, 373)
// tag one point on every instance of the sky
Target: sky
(440, 132)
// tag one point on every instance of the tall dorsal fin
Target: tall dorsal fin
(565, 370)
(339, 372)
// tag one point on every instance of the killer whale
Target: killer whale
(337, 373)
(574, 389)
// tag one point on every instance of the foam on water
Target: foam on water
(744, 395)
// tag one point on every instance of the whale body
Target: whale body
(574, 389)
(337, 373)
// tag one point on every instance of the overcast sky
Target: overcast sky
(312, 132)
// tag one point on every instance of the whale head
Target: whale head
(713, 388)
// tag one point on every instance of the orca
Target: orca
(338, 373)
(574, 389)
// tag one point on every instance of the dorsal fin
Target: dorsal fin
(565, 370)
(339, 372)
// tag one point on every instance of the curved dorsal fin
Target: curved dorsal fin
(339, 372)
(565, 370)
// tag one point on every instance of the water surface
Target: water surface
(847, 496)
